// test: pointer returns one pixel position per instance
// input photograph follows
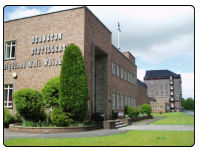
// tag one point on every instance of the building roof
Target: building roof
(160, 74)
(139, 82)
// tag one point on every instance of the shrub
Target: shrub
(29, 104)
(132, 111)
(28, 123)
(50, 92)
(8, 118)
(60, 118)
(146, 108)
(125, 110)
(73, 84)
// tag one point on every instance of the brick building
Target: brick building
(141, 93)
(33, 50)
(165, 87)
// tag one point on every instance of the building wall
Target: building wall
(161, 90)
(141, 95)
(77, 26)
(158, 106)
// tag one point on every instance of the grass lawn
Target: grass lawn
(174, 118)
(131, 138)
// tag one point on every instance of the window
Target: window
(125, 75)
(122, 73)
(122, 101)
(113, 100)
(118, 74)
(156, 93)
(129, 77)
(125, 97)
(166, 93)
(10, 50)
(113, 68)
(177, 104)
(134, 101)
(7, 96)
(118, 96)
(161, 106)
(129, 101)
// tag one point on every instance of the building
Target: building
(165, 87)
(33, 50)
(141, 93)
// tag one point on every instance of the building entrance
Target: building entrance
(100, 81)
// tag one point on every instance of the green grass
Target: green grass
(131, 138)
(174, 118)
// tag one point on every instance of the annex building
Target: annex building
(33, 50)
(165, 87)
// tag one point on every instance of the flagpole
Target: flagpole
(118, 39)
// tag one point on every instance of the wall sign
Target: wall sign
(41, 50)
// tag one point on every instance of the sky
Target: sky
(160, 37)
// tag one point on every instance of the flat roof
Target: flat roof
(78, 7)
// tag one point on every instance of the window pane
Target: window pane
(5, 86)
(10, 94)
(5, 94)
(13, 51)
(7, 52)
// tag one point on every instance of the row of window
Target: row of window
(158, 107)
(119, 101)
(7, 96)
(123, 73)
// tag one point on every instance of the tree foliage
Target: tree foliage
(50, 92)
(188, 104)
(146, 108)
(29, 104)
(73, 84)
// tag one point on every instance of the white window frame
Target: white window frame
(118, 103)
(113, 100)
(113, 68)
(122, 73)
(11, 49)
(125, 98)
(125, 75)
(122, 101)
(118, 71)
(7, 99)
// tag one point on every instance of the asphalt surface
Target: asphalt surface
(188, 112)
(140, 125)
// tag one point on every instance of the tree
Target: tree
(188, 104)
(29, 104)
(73, 84)
(146, 108)
(50, 92)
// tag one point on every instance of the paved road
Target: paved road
(188, 112)
(101, 132)
(140, 125)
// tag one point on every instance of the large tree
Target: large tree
(73, 84)
(188, 104)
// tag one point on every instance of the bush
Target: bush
(29, 104)
(50, 92)
(73, 90)
(125, 110)
(132, 111)
(8, 118)
(60, 118)
(146, 108)
(28, 123)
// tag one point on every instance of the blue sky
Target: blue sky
(160, 37)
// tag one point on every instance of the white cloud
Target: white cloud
(187, 85)
(141, 74)
(23, 11)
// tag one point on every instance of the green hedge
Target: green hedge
(146, 108)
(132, 111)
(60, 118)
(73, 90)
(29, 104)
(50, 92)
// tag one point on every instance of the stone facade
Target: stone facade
(165, 88)
(77, 26)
